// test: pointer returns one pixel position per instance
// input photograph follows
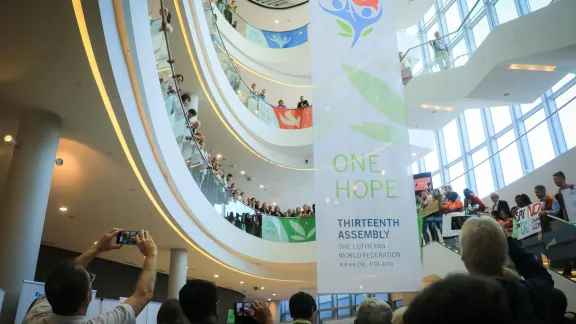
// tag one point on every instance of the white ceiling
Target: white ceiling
(407, 13)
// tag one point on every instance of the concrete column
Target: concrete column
(275, 310)
(24, 202)
(178, 271)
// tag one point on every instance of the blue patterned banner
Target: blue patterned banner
(269, 39)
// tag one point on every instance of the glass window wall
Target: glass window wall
(452, 140)
(506, 10)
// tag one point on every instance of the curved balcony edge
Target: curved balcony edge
(151, 135)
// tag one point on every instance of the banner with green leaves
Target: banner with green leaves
(280, 229)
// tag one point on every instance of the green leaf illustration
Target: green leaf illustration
(367, 31)
(297, 228)
(345, 35)
(377, 93)
(311, 233)
(344, 26)
(297, 238)
(381, 132)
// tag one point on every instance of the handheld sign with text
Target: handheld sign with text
(528, 221)
(569, 196)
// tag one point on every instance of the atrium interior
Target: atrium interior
(262, 142)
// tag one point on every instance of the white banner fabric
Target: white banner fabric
(569, 196)
(367, 236)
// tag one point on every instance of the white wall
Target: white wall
(542, 175)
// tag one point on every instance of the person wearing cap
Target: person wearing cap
(500, 206)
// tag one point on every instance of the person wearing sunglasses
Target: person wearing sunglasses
(69, 287)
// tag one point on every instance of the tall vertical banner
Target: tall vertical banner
(367, 236)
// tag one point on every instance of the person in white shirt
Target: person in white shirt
(69, 287)
(441, 51)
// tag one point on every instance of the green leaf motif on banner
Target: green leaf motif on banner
(381, 132)
(377, 93)
(345, 35)
(344, 26)
(367, 31)
(298, 228)
(311, 233)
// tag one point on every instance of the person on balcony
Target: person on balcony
(471, 200)
(501, 209)
(560, 181)
(441, 52)
(303, 103)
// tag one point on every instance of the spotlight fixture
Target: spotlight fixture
(9, 139)
(269, 299)
(216, 276)
(273, 294)
(261, 186)
(218, 156)
(63, 209)
(276, 21)
(262, 288)
(241, 282)
(274, 203)
(242, 172)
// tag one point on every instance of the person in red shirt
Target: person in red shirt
(471, 199)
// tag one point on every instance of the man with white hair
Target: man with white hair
(485, 246)
(501, 209)
(373, 311)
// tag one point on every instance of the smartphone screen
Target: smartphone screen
(243, 309)
(127, 237)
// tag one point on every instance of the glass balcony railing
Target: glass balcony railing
(225, 197)
(456, 52)
(278, 115)
(261, 37)
(555, 247)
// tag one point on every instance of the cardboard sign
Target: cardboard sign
(569, 196)
(528, 220)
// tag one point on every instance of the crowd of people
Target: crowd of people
(505, 284)
(431, 207)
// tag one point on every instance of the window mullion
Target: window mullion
(495, 163)
(524, 147)
(555, 126)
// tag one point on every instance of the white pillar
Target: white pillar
(178, 271)
(24, 202)
(275, 310)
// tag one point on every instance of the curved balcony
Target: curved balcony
(261, 37)
(226, 199)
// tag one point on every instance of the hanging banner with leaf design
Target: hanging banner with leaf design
(367, 240)
(298, 229)
(297, 118)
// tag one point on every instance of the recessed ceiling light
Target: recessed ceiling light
(276, 21)
(262, 288)
(261, 186)
(273, 294)
(9, 139)
(95, 242)
(414, 154)
(274, 203)
(216, 276)
(383, 172)
(242, 172)
(63, 209)
(218, 156)
(532, 67)
(241, 282)
(269, 299)
(435, 107)
(186, 267)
